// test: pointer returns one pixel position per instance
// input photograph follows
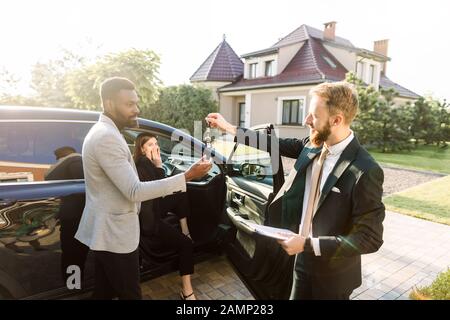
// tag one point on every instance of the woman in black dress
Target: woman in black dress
(153, 228)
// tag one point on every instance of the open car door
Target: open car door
(252, 181)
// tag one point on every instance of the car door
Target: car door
(252, 181)
(37, 216)
(206, 196)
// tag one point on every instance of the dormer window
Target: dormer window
(372, 74)
(329, 61)
(269, 68)
(360, 70)
(252, 70)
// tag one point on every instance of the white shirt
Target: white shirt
(328, 165)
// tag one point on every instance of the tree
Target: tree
(439, 132)
(180, 106)
(9, 90)
(48, 79)
(380, 122)
(82, 85)
(367, 125)
(396, 122)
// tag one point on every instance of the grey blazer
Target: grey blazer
(113, 191)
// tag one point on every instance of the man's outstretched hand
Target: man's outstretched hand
(198, 169)
(216, 120)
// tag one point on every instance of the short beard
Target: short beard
(133, 124)
(320, 136)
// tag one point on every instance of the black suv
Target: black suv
(238, 188)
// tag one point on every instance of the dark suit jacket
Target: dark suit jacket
(150, 212)
(69, 168)
(347, 224)
(72, 206)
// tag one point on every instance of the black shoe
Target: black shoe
(183, 297)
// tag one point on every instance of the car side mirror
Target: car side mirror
(253, 170)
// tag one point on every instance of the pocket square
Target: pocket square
(334, 189)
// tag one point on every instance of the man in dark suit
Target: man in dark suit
(69, 166)
(331, 198)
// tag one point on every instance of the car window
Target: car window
(224, 144)
(28, 149)
(177, 157)
(252, 164)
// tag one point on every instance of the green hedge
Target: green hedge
(438, 290)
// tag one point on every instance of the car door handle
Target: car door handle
(238, 199)
(238, 221)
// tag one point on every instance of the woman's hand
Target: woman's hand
(155, 157)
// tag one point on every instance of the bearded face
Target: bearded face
(318, 121)
(124, 109)
(319, 135)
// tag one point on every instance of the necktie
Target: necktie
(314, 192)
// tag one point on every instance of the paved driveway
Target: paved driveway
(413, 253)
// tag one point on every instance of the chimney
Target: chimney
(381, 47)
(329, 33)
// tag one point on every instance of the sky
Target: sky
(185, 32)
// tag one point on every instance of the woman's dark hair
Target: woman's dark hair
(140, 141)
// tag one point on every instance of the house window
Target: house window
(372, 74)
(241, 122)
(269, 68)
(360, 70)
(292, 112)
(252, 70)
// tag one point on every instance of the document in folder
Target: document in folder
(271, 232)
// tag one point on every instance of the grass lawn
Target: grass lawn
(429, 201)
(428, 158)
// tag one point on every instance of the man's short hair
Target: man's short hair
(339, 96)
(111, 87)
(63, 151)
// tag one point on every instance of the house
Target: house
(272, 85)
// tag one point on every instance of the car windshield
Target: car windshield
(247, 161)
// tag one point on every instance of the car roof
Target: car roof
(67, 114)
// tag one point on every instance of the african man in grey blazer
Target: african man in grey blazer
(109, 225)
(331, 198)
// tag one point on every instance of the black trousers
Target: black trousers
(313, 287)
(170, 238)
(117, 275)
(73, 251)
(176, 203)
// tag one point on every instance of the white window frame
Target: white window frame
(301, 109)
(372, 73)
(253, 75)
(248, 109)
(240, 103)
(272, 65)
(360, 71)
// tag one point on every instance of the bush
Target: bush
(180, 106)
(438, 290)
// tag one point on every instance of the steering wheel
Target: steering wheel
(168, 168)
